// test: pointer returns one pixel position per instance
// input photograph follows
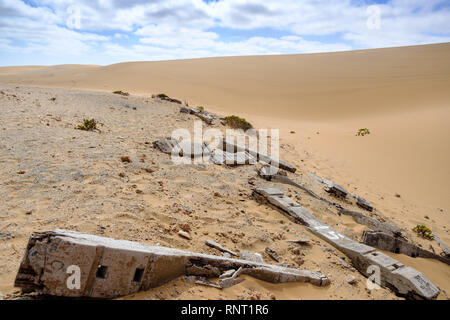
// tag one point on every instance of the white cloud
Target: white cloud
(119, 30)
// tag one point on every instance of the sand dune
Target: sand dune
(401, 94)
(318, 101)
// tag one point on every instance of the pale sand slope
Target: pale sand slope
(401, 94)
(54, 176)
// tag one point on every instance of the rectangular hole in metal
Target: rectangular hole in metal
(138, 275)
(101, 272)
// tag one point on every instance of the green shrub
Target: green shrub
(162, 96)
(165, 97)
(236, 122)
(88, 125)
(363, 132)
(121, 93)
(423, 231)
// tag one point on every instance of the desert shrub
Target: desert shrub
(53, 99)
(292, 132)
(423, 231)
(236, 122)
(88, 125)
(162, 96)
(121, 93)
(363, 132)
(201, 108)
(165, 97)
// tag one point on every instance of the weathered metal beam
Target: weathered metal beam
(403, 280)
(372, 223)
(207, 117)
(233, 147)
(387, 242)
(444, 247)
(270, 174)
(111, 268)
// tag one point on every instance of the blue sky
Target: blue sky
(48, 32)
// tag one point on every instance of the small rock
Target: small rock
(202, 281)
(299, 260)
(29, 212)
(184, 234)
(351, 279)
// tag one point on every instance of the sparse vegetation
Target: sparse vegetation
(88, 125)
(236, 122)
(125, 159)
(165, 97)
(423, 231)
(362, 132)
(162, 96)
(121, 93)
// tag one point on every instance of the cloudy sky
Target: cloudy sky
(47, 32)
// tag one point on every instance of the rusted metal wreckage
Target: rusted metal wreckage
(111, 268)
(387, 242)
(228, 152)
(404, 281)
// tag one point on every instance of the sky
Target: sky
(103, 32)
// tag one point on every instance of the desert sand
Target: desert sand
(318, 101)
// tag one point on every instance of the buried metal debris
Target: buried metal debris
(217, 246)
(340, 192)
(205, 116)
(299, 241)
(231, 146)
(231, 281)
(182, 149)
(72, 264)
(387, 242)
(403, 280)
(273, 254)
(444, 247)
(251, 256)
(272, 174)
(221, 157)
(372, 223)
